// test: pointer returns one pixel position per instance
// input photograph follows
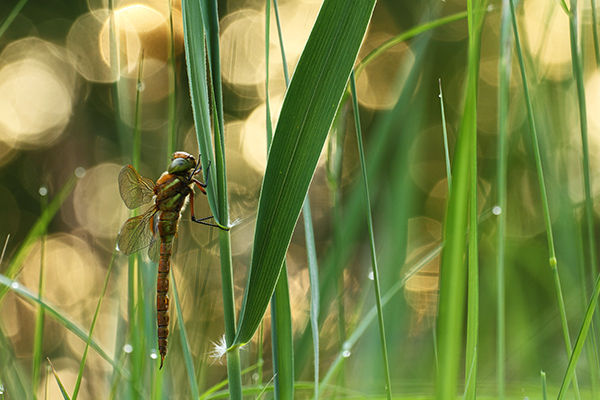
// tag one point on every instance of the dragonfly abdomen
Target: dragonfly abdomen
(167, 228)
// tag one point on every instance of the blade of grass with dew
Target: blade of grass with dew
(370, 316)
(63, 391)
(58, 315)
(11, 16)
(361, 152)
(39, 317)
(544, 198)
(504, 73)
(445, 132)
(94, 319)
(187, 353)
(38, 230)
(308, 110)
(452, 271)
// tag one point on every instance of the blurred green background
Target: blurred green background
(63, 106)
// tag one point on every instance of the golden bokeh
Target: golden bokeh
(38, 89)
(421, 290)
(373, 86)
(546, 33)
(96, 201)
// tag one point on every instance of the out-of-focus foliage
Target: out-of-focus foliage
(65, 102)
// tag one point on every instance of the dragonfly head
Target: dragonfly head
(181, 162)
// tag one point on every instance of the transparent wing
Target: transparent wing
(135, 190)
(137, 233)
(154, 251)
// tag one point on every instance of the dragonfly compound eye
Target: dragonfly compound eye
(180, 165)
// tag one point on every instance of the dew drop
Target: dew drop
(153, 354)
(346, 353)
(128, 348)
(141, 86)
(371, 277)
(43, 191)
(490, 8)
(80, 172)
(1, 388)
(14, 285)
(255, 377)
(496, 210)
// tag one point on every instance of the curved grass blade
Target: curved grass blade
(307, 113)
(59, 316)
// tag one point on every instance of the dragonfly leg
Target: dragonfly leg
(202, 220)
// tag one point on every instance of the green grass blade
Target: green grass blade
(59, 315)
(595, 33)
(94, 319)
(11, 17)
(544, 197)
(306, 116)
(12, 376)
(577, 64)
(172, 98)
(313, 277)
(472, 281)
(504, 73)
(282, 339)
(404, 36)
(445, 131)
(375, 270)
(281, 314)
(370, 316)
(39, 317)
(544, 388)
(453, 272)
(63, 391)
(187, 353)
(583, 332)
(38, 230)
(193, 29)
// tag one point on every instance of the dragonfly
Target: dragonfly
(156, 228)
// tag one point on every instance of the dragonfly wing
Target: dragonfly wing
(136, 233)
(154, 251)
(135, 190)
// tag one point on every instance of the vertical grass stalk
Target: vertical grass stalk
(375, 271)
(544, 198)
(40, 313)
(504, 74)
(453, 272)
(578, 76)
